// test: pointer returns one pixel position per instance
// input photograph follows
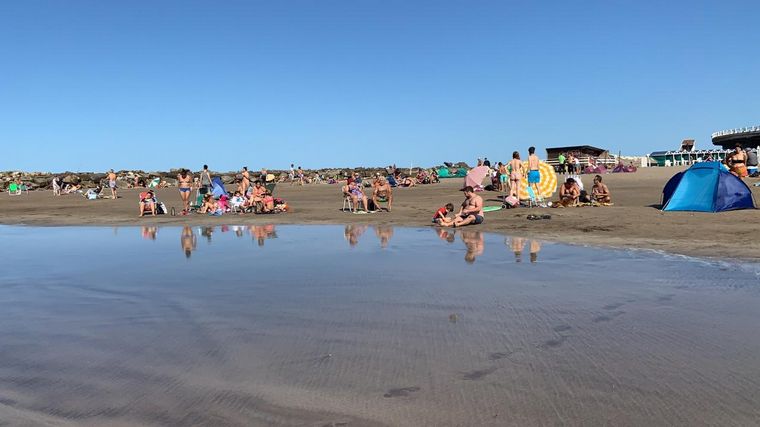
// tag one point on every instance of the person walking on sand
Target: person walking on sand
(534, 176)
(185, 183)
(205, 180)
(292, 174)
(515, 174)
(112, 183)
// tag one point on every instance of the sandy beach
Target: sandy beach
(634, 221)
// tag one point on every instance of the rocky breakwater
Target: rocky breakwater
(131, 178)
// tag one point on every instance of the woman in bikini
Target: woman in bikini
(515, 175)
(738, 162)
(185, 182)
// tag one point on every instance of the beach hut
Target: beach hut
(706, 187)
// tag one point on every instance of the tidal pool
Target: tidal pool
(363, 325)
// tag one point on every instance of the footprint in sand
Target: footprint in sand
(553, 343)
(499, 355)
(478, 374)
(401, 392)
(562, 328)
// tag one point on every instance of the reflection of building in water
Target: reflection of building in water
(384, 234)
(149, 232)
(262, 232)
(187, 240)
(516, 244)
(535, 248)
(353, 232)
(445, 234)
(475, 244)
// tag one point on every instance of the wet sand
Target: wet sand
(633, 222)
(246, 334)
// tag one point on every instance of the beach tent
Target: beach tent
(475, 177)
(621, 168)
(706, 187)
(443, 173)
(217, 187)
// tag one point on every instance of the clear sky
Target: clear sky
(92, 85)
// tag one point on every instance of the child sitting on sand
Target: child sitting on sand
(441, 216)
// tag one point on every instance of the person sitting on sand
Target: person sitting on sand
(471, 211)
(569, 193)
(599, 192)
(255, 200)
(209, 205)
(267, 202)
(382, 193)
(237, 201)
(407, 181)
(441, 216)
(357, 195)
(147, 202)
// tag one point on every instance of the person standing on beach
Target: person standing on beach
(185, 183)
(205, 180)
(292, 174)
(534, 175)
(515, 174)
(112, 183)
(561, 161)
(245, 181)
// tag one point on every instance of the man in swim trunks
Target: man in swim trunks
(185, 182)
(112, 183)
(382, 191)
(534, 176)
(471, 211)
(599, 192)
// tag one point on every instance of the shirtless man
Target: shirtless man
(534, 176)
(185, 183)
(737, 162)
(471, 211)
(245, 182)
(112, 183)
(599, 192)
(256, 201)
(569, 193)
(382, 191)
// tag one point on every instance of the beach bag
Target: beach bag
(511, 201)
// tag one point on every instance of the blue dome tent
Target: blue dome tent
(706, 187)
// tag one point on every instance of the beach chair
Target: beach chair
(532, 198)
(14, 189)
(348, 203)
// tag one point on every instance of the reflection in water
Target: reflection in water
(535, 247)
(261, 233)
(384, 234)
(475, 244)
(445, 234)
(149, 232)
(188, 241)
(353, 232)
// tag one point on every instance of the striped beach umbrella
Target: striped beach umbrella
(547, 186)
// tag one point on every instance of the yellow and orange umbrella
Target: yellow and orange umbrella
(546, 187)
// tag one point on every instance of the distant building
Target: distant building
(580, 151)
(747, 137)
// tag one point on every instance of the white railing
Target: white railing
(736, 131)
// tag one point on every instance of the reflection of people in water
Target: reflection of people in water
(517, 244)
(535, 248)
(262, 232)
(475, 244)
(207, 232)
(149, 232)
(353, 232)
(444, 234)
(384, 234)
(188, 241)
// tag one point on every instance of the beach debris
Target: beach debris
(453, 318)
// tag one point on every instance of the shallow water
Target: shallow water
(357, 325)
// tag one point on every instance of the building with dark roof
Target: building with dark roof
(748, 137)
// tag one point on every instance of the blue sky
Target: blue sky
(92, 85)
